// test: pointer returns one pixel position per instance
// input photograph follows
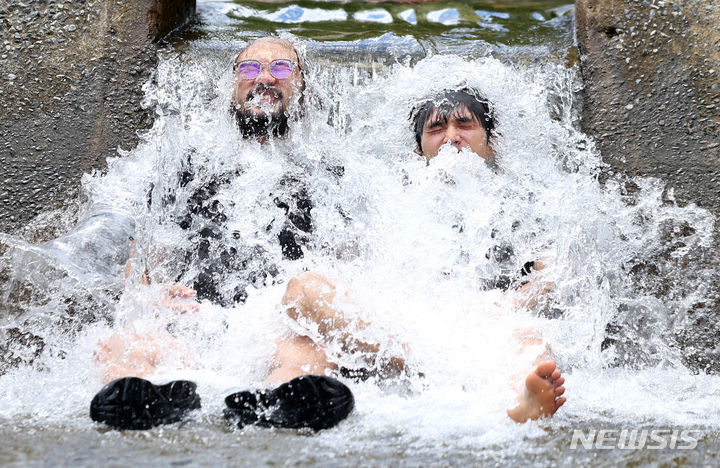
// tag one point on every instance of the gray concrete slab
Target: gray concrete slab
(71, 74)
(652, 94)
(652, 103)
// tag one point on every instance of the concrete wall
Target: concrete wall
(652, 103)
(70, 89)
(652, 93)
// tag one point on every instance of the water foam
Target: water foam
(415, 251)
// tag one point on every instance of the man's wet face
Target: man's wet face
(262, 104)
(461, 129)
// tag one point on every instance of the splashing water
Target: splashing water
(411, 244)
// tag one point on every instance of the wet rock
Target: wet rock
(60, 75)
(649, 101)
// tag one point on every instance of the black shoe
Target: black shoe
(135, 403)
(313, 401)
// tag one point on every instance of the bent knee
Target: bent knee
(298, 351)
(306, 289)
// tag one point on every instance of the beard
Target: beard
(261, 124)
(254, 125)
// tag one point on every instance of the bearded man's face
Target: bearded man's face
(262, 104)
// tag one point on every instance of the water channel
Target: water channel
(423, 237)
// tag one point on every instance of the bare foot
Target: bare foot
(542, 393)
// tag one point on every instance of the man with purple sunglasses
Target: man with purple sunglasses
(267, 92)
(268, 87)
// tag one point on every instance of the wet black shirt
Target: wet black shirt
(507, 275)
(219, 265)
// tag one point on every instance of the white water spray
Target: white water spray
(414, 242)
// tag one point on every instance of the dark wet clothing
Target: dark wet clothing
(255, 265)
(220, 265)
(507, 274)
(503, 270)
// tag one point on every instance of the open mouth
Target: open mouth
(263, 95)
(268, 96)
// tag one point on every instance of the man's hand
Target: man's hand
(180, 298)
(535, 291)
(532, 293)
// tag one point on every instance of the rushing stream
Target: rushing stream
(411, 243)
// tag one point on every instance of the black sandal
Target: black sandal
(135, 403)
(309, 401)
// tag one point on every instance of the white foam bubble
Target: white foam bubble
(420, 237)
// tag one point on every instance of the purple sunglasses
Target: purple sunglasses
(250, 69)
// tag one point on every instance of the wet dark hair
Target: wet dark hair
(450, 103)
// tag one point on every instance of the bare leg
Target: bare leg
(128, 353)
(312, 297)
(542, 395)
(298, 356)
